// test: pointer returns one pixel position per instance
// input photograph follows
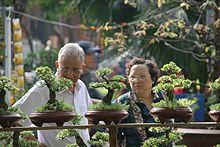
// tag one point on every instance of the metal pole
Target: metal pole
(7, 52)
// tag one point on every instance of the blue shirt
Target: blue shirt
(131, 135)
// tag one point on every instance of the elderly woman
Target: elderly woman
(142, 76)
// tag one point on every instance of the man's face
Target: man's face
(70, 68)
(90, 61)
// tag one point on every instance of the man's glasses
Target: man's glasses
(67, 70)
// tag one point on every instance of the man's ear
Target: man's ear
(57, 65)
(84, 67)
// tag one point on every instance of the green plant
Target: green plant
(113, 83)
(215, 86)
(167, 137)
(18, 139)
(101, 106)
(99, 139)
(54, 85)
(72, 132)
(166, 85)
(7, 84)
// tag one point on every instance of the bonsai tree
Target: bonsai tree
(166, 139)
(215, 86)
(98, 139)
(5, 84)
(19, 139)
(166, 85)
(214, 112)
(14, 114)
(54, 85)
(116, 112)
(116, 82)
(72, 132)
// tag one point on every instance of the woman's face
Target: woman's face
(140, 79)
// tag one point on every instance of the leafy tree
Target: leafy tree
(184, 32)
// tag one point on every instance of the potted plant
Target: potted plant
(214, 112)
(18, 139)
(107, 111)
(8, 114)
(53, 110)
(170, 107)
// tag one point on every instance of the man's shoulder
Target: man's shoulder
(123, 98)
(80, 83)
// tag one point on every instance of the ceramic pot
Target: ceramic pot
(108, 116)
(6, 121)
(215, 115)
(164, 114)
(38, 118)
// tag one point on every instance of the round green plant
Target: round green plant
(54, 85)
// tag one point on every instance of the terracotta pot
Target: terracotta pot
(38, 118)
(215, 115)
(6, 121)
(164, 114)
(108, 116)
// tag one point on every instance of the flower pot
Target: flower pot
(7, 120)
(164, 114)
(215, 115)
(38, 118)
(108, 116)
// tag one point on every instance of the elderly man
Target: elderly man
(69, 65)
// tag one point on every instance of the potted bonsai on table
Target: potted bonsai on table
(170, 107)
(8, 114)
(54, 110)
(106, 111)
(214, 112)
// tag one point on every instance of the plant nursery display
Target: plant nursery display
(170, 107)
(106, 111)
(214, 112)
(53, 110)
(8, 114)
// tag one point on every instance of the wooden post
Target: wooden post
(113, 136)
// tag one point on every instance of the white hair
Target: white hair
(71, 50)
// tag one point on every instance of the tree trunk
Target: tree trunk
(107, 99)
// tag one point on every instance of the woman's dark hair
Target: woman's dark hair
(152, 67)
